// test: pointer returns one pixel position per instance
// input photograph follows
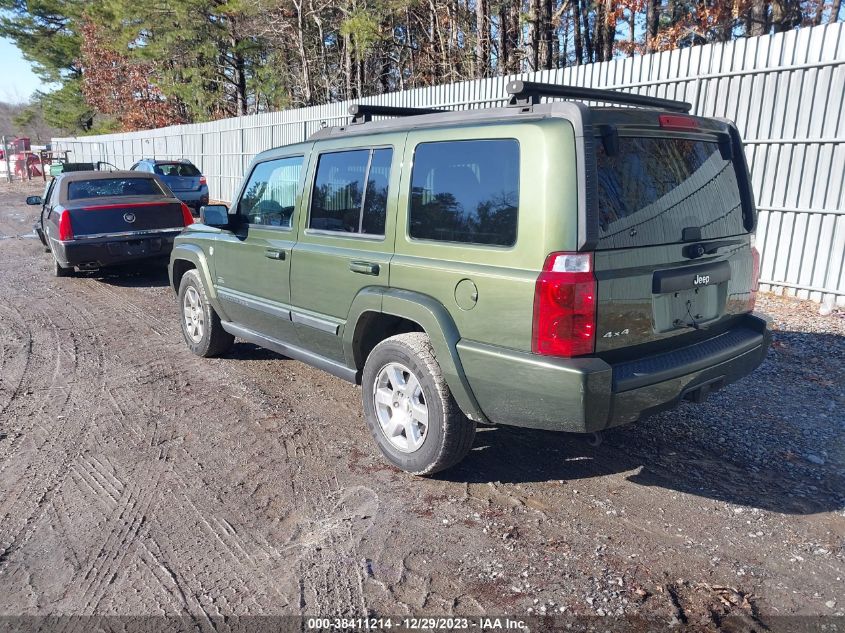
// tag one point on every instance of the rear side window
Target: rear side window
(350, 191)
(183, 170)
(466, 191)
(269, 198)
(108, 187)
(651, 189)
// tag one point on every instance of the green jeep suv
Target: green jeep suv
(551, 265)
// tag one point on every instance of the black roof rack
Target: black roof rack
(361, 113)
(525, 93)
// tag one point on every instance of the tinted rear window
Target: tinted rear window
(466, 191)
(183, 170)
(653, 188)
(108, 187)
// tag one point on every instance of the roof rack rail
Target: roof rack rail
(361, 113)
(525, 93)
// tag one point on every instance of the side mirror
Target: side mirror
(34, 201)
(216, 215)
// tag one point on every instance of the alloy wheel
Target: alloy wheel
(401, 408)
(194, 314)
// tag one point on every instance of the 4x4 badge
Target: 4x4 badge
(611, 334)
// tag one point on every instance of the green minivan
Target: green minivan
(549, 264)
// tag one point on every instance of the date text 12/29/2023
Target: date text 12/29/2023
(415, 624)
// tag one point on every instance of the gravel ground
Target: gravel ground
(138, 479)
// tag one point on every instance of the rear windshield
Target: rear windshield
(651, 189)
(108, 187)
(176, 169)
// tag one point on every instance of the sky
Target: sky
(18, 82)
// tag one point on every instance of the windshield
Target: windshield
(109, 187)
(651, 189)
(185, 170)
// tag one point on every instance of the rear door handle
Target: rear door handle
(274, 254)
(365, 268)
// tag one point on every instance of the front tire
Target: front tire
(409, 408)
(201, 326)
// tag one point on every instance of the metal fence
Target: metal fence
(786, 92)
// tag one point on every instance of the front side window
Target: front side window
(269, 198)
(466, 192)
(110, 187)
(350, 191)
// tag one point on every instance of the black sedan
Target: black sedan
(93, 219)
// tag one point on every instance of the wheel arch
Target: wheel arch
(185, 257)
(378, 313)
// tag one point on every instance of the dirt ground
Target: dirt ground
(138, 479)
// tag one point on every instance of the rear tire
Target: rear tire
(61, 271)
(201, 326)
(409, 408)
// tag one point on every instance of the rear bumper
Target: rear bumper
(114, 250)
(587, 394)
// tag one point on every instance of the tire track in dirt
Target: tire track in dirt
(55, 434)
(17, 353)
(80, 369)
(222, 536)
(330, 518)
(128, 299)
(123, 530)
(346, 596)
(330, 570)
(16, 341)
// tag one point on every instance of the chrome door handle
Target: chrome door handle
(273, 254)
(365, 268)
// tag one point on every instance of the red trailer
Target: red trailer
(23, 162)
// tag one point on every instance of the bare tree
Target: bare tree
(482, 44)
(652, 25)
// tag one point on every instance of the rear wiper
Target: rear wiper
(693, 251)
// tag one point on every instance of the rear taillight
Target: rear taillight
(187, 216)
(203, 180)
(755, 274)
(565, 306)
(65, 228)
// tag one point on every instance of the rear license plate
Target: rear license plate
(695, 305)
(135, 247)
